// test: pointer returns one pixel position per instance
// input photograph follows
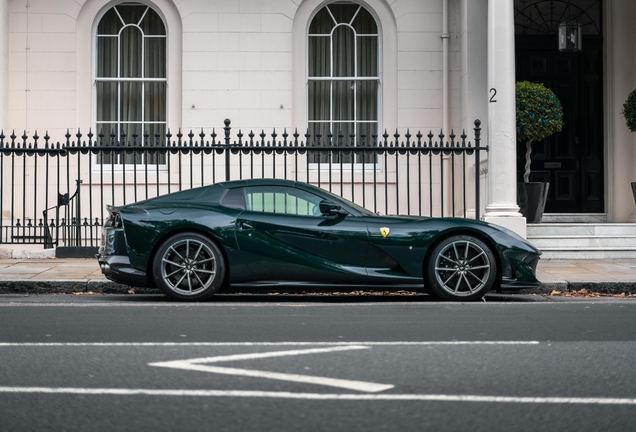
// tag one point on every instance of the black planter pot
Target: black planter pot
(531, 198)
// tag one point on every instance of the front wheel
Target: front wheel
(189, 266)
(460, 267)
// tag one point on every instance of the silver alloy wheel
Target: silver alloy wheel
(188, 267)
(462, 268)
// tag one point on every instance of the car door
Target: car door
(284, 237)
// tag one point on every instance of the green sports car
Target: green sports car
(193, 243)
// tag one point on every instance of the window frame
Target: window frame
(356, 165)
(119, 165)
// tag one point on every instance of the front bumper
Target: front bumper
(508, 285)
(117, 268)
(521, 273)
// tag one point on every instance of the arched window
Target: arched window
(343, 74)
(130, 75)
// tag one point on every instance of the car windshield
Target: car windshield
(363, 211)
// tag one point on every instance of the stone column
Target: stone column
(502, 207)
(474, 81)
(621, 79)
(4, 64)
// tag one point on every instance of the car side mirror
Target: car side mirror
(329, 208)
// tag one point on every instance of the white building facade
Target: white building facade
(308, 64)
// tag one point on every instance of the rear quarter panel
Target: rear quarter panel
(146, 230)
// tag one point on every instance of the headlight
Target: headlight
(509, 232)
(515, 236)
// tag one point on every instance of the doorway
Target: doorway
(571, 160)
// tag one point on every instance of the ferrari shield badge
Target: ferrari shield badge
(384, 231)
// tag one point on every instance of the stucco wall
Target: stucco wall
(4, 62)
(234, 59)
(238, 59)
(41, 64)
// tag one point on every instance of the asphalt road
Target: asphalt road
(265, 363)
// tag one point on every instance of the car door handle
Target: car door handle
(245, 226)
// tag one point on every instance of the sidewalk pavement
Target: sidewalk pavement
(33, 272)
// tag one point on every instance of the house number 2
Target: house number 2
(493, 91)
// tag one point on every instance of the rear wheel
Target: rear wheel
(189, 266)
(460, 267)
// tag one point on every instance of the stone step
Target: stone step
(578, 241)
(581, 229)
(574, 217)
(589, 253)
(584, 240)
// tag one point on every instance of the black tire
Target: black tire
(188, 267)
(460, 267)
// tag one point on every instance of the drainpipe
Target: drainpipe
(27, 49)
(447, 180)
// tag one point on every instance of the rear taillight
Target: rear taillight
(114, 220)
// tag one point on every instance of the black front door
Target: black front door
(572, 160)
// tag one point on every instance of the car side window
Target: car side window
(282, 199)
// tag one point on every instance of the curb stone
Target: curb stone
(599, 287)
(10, 253)
(69, 287)
(108, 287)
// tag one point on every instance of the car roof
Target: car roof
(257, 182)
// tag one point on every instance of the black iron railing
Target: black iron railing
(56, 194)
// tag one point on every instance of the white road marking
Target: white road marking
(331, 382)
(198, 364)
(251, 356)
(297, 396)
(321, 396)
(223, 344)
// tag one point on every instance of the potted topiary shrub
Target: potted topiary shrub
(539, 115)
(629, 111)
